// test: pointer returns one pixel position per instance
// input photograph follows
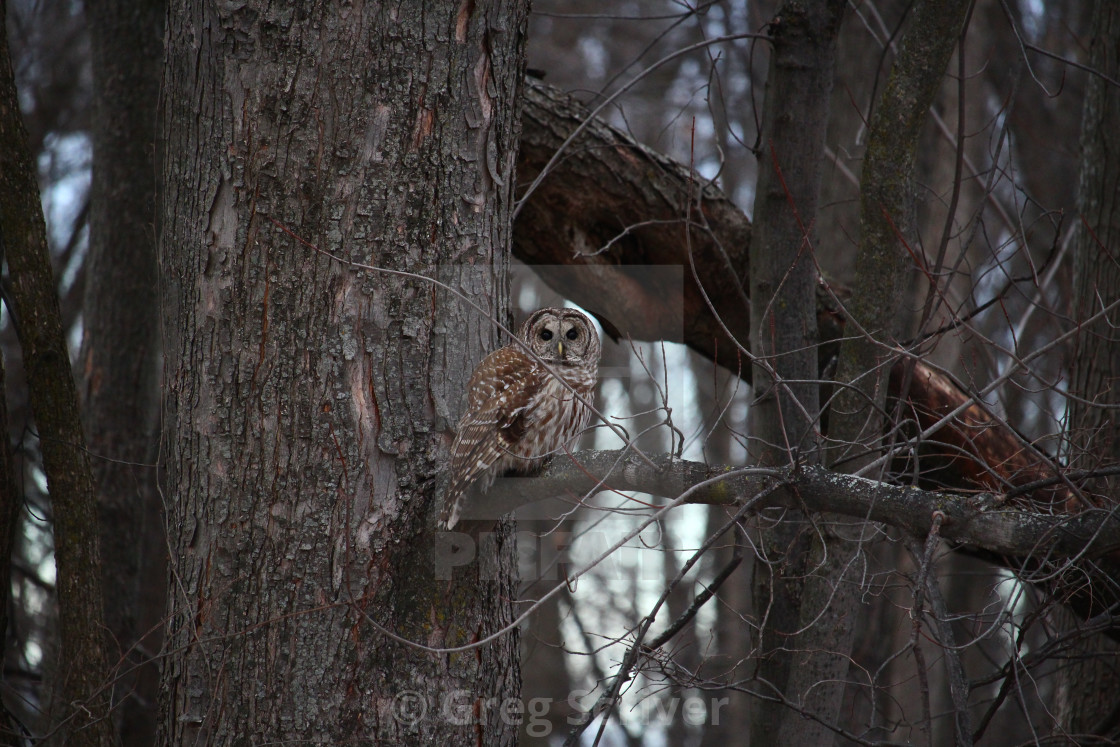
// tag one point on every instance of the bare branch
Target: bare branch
(979, 520)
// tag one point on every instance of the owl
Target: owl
(518, 412)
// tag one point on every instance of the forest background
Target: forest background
(857, 266)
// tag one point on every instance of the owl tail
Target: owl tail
(452, 517)
(451, 512)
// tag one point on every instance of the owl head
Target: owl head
(561, 336)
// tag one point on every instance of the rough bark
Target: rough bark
(120, 356)
(782, 420)
(310, 405)
(1088, 687)
(80, 714)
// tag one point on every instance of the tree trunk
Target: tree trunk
(730, 660)
(783, 416)
(80, 713)
(888, 206)
(120, 357)
(11, 502)
(543, 653)
(311, 405)
(888, 214)
(1088, 687)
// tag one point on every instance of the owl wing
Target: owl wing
(503, 395)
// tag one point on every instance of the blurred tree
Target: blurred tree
(80, 707)
(1088, 685)
(120, 356)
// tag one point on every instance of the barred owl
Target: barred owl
(518, 412)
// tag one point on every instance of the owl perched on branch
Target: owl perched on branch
(518, 412)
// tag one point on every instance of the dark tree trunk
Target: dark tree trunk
(543, 650)
(120, 351)
(80, 711)
(1088, 687)
(310, 404)
(10, 503)
(888, 214)
(783, 416)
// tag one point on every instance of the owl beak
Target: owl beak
(560, 349)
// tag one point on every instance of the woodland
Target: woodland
(853, 473)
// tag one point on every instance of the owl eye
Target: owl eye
(573, 334)
(546, 334)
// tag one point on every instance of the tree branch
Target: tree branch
(614, 207)
(978, 520)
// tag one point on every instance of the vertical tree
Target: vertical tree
(120, 358)
(81, 706)
(784, 414)
(888, 214)
(9, 517)
(310, 405)
(1094, 424)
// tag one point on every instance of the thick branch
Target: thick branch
(979, 520)
(974, 451)
(613, 206)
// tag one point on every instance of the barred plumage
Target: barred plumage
(518, 413)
